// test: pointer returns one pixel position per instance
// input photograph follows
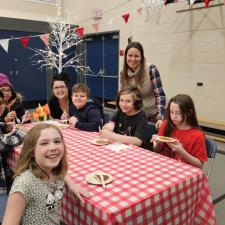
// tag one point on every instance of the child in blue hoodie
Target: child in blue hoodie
(84, 115)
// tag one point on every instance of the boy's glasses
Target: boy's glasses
(59, 88)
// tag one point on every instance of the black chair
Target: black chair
(107, 117)
(151, 129)
(211, 148)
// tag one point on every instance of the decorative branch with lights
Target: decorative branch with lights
(58, 53)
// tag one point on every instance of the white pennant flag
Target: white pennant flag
(5, 44)
(110, 22)
(192, 2)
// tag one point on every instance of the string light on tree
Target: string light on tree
(58, 53)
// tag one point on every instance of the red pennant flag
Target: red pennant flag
(165, 2)
(206, 3)
(45, 39)
(126, 17)
(95, 26)
(24, 41)
(80, 31)
(139, 11)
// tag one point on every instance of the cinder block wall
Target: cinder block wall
(187, 43)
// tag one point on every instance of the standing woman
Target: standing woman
(61, 98)
(13, 101)
(147, 78)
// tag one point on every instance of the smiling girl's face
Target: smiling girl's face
(49, 150)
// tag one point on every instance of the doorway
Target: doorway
(102, 57)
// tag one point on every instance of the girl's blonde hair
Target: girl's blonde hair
(26, 159)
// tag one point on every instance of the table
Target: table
(147, 188)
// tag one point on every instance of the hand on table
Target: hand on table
(109, 126)
(79, 192)
(65, 116)
(76, 189)
(105, 134)
(176, 147)
(73, 120)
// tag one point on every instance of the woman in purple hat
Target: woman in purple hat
(13, 102)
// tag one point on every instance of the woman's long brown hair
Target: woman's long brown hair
(124, 78)
(187, 110)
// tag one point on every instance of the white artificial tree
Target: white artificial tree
(62, 37)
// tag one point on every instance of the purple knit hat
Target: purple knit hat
(4, 80)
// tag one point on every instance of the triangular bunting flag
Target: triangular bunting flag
(192, 2)
(5, 44)
(206, 3)
(126, 17)
(95, 26)
(165, 2)
(24, 41)
(110, 22)
(139, 11)
(45, 39)
(80, 31)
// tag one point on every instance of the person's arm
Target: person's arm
(55, 110)
(10, 116)
(18, 108)
(190, 159)
(109, 126)
(120, 138)
(76, 189)
(12, 139)
(14, 209)
(160, 98)
(141, 128)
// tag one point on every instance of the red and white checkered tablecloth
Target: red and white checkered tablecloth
(147, 188)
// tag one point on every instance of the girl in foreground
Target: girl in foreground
(40, 173)
(182, 125)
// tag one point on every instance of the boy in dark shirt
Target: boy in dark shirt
(84, 115)
(129, 124)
